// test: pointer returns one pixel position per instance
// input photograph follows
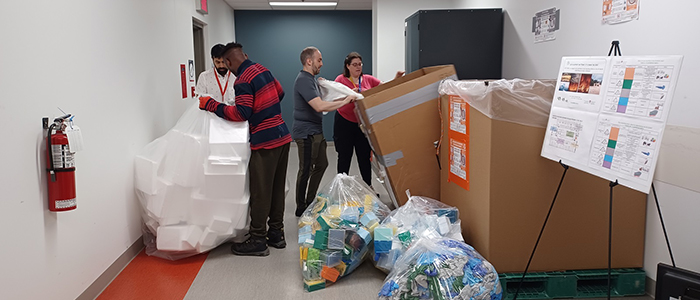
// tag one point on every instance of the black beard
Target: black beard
(222, 72)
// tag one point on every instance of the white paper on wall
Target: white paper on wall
(620, 11)
(544, 25)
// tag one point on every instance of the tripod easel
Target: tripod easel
(615, 51)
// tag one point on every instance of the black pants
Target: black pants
(312, 164)
(347, 136)
(268, 173)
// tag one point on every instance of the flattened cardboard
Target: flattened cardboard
(410, 133)
(511, 189)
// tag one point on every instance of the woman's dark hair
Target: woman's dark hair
(348, 59)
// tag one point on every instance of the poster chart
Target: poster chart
(608, 115)
(620, 11)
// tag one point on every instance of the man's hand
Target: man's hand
(399, 74)
(350, 99)
(207, 103)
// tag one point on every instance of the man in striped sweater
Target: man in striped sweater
(258, 96)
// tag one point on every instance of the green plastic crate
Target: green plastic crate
(574, 284)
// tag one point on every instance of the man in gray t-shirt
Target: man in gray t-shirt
(307, 130)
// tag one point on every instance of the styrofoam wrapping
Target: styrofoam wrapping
(173, 238)
(193, 187)
(223, 186)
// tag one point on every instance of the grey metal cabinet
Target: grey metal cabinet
(470, 39)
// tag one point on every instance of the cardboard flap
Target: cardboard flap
(402, 122)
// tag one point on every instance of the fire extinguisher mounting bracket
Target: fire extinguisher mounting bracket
(45, 122)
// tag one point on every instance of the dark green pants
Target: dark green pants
(267, 171)
(312, 164)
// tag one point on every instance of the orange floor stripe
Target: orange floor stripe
(150, 277)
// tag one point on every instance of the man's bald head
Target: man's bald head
(233, 56)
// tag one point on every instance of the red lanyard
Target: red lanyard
(223, 91)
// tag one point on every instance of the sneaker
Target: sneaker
(275, 238)
(253, 246)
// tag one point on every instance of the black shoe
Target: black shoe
(275, 238)
(253, 246)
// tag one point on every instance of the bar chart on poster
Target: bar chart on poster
(609, 113)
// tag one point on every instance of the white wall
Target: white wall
(664, 27)
(220, 25)
(115, 66)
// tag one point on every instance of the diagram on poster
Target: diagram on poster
(615, 131)
(567, 133)
(639, 87)
(564, 133)
(625, 147)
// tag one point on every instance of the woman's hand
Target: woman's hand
(399, 74)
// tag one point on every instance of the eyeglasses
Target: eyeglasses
(356, 65)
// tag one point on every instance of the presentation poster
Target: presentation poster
(608, 115)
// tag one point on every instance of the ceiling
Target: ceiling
(263, 5)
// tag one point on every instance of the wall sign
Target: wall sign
(544, 24)
(202, 7)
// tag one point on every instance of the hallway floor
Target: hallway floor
(222, 275)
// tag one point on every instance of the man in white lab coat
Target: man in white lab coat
(217, 82)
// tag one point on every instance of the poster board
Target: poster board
(608, 115)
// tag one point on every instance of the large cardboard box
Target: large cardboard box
(511, 189)
(402, 122)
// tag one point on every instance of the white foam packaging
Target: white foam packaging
(194, 233)
(228, 139)
(223, 165)
(173, 238)
(192, 184)
(222, 186)
(146, 167)
(208, 238)
(184, 161)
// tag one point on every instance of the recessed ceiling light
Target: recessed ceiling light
(288, 3)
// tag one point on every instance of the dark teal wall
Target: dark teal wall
(275, 40)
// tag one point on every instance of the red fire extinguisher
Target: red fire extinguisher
(60, 168)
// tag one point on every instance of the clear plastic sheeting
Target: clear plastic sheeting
(521, 101)
(192, 184)
(331, 90)
(335, 231)
(420, 217)
(442, 269)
